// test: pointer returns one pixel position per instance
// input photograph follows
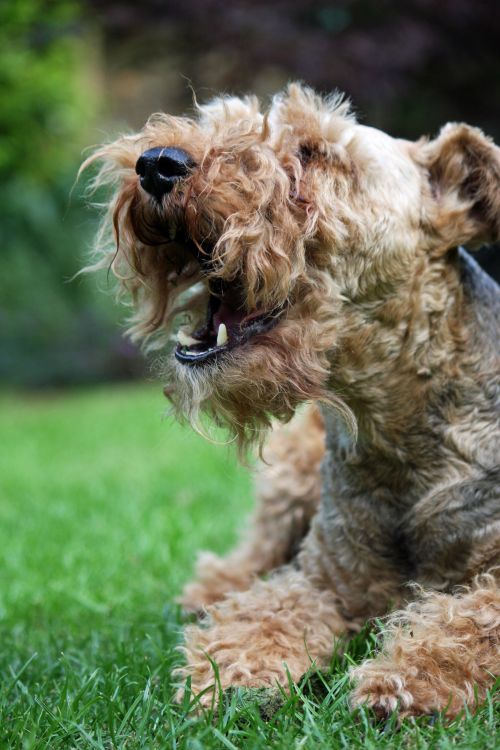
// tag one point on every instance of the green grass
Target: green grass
(101, 505)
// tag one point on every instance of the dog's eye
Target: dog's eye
(307, 152)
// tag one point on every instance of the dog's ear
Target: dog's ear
(464, 173)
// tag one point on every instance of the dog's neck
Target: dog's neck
(398, 359)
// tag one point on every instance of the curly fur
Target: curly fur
(288, 495)
(439, 653)
(275, 628)
(349, 239)
(244, 195)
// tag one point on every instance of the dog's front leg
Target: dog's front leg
(441, 653)
(257, 637)
(288, 492)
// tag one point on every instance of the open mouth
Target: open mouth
(228, 325)
(228, 322)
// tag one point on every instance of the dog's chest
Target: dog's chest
(391, 516)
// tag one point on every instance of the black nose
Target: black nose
(160, 168)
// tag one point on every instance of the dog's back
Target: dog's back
(483, 294)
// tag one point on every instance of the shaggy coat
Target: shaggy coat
(330, 252)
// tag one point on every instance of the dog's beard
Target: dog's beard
(246, 388)
(276, 353)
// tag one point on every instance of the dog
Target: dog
(308, 259)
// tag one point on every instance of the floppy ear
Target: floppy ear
(464, 174)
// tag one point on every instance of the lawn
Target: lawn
(101, 506)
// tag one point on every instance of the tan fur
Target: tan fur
(288, 493)
(348, 239)
(441, 652)
(256, 637)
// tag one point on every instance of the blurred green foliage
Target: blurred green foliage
(43, 107)
(52, 330)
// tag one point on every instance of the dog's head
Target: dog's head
(251, 232)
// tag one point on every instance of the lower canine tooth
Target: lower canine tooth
(222, 335)
(185, 340)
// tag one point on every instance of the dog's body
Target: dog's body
(327, 255)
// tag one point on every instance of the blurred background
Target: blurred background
(73, 74)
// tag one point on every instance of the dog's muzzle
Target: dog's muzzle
(160, 168)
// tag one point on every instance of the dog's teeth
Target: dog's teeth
(222, 335)
(185, 340)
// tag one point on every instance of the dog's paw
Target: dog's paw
(383, 690)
